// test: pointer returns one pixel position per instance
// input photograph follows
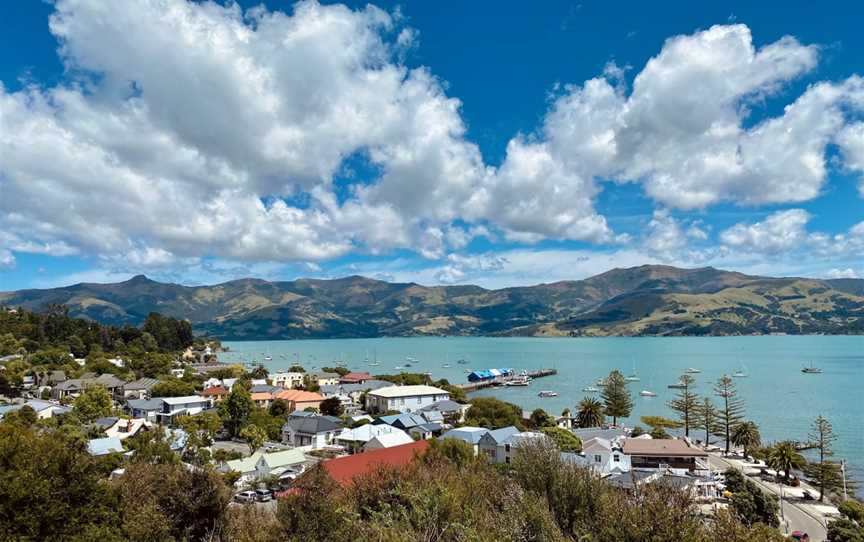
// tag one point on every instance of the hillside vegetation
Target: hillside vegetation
(646, 300)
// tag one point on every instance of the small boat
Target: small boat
(547, 393)
(811, 370)
(692, 371)
(646, 393)
(632, 377)
(268, 358)
(445, 366)
(375, 364)
(521, 380)
(678, 386)
(407, 365)
(739, 374)
(398, 367)
(590, 389)
(462, 362)
(410, 359)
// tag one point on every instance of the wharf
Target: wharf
(502, 380)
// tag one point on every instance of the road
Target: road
(797, 519)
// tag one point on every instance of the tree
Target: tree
(590, 413)
(493, 413)
(331, 406)
(750, 503)
(706, 418)
(173, 387)
(200, 430)
(783, 456)
(825, 474)
(616, 397)
(685, 403)
(746, 435)
(258, 373)
(279, 408)
(254, 437)
(296, 369)
(235, 409)
(540, 419)
(564, 439)
(25, 416)
(456, 451)
(93, 403)
(731, 409)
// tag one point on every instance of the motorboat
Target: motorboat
(646, 393)
(462, 362)
(811, 370)
(678, 386)
(445, 366)
(692, 371)
(518, 381)
(547, 393)
(590, 389)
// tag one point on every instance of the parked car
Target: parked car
(800, 536)
(245, 496)
(263, 495)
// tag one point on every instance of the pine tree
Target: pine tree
(685, 403)
(706, 418)
(616, 398)
(731, 410)
(826, 473)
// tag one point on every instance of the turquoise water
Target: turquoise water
(778, 396)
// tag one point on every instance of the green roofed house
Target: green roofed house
(283, 464)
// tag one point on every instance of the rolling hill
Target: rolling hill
(646, 300)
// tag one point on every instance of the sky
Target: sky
(449, 142)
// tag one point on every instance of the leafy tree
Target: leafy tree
(272, 425)
(746, 435)
(297, 369)
(564, 439)
(9, 344)
(341, 371)
(170, 334)
(590, 413)
(152, 447)
(845, 530)
(258, 373)
(254, 437)
(235, 409)
(200, 429)
(825, 474)
(616, 397)
(93, 403)
(731, 410)
(331, 406)
(540, 419)
(279, 408)
(783, 456)
(685, 403)
(706, 418)
(637, 431)
(853, 510)
(750, 503)
(458, 452)
(659, 422)
(25, 416)
(173, 387)
(493, 413)
(313, 510)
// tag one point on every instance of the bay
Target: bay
(778, 396)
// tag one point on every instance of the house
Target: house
(491, 443)
(139, 389)
(355, 439)
(604, 456)
(403, 398)
(353, 391)
(122, 428)
(104, 446)
(388, 440)
(355, 378)
(426, 431)
(43, 409)
(565, 422)
(343, 470)
(215, 393)
(75, 386)
(471, 435)
(325, 379)
(300, 399)
(284, 463)
(677, 455)
(147, 409)
(450, 410)
(311, 431)
(262, 398)
(288, 380)
(401, 421)
(226, 383)
(610, 434)
(172, 407)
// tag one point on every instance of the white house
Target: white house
(604, 456)
(261, 465)
(388, 440)
(181, 406)
(310, 431)
(288, 379)
(354, 439)
(470, 435)
(500, 445)
(403, 398)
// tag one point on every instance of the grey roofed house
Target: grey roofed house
(629, 480)
(498, 436)
(471, 435)
(433, 416)
(348, 389)
(264, 388)
(587, 433)
(141, 384)
(105, 423)
(445, 406)
(312, 425)
(144, 408)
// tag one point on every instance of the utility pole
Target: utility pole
(843, 471)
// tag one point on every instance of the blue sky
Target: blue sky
(461, 142)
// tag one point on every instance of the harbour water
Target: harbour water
(778, 396)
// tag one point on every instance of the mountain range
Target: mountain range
(645, 300)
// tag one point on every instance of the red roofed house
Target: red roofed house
(344, 469)
(300, 399)
(354, 378)
(215, 393)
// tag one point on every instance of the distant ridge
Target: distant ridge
(645, 300)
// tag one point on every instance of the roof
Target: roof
(407, 391)
(405, 421)
(471, 435)
(299, 396)
(629, 480)
(145, 404)
(39, 405)
(352, 376)
(107, 380)
(427, 427)
(103, 446)
(214, 390)
(445, 405)
(313, 424)
(141, 384)
(661, 448)
(498, 436)
(389, 440)
(105, 423)
(183, 400)
(367, 432)
(325, 375)
(344, 469)
(352, 387)
(258, 388)
(596, 443)
(587, 433)
(261, 396)
(275, 460)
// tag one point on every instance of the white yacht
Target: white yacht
(547, 393)
(646, 393)
(590, 389)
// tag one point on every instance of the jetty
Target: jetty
(502, 380)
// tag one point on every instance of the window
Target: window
(507, 459)
(598, 458)
(507, 448)
(616, 458)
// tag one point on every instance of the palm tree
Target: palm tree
(591, 413)
(783, 456)
(747, 436)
